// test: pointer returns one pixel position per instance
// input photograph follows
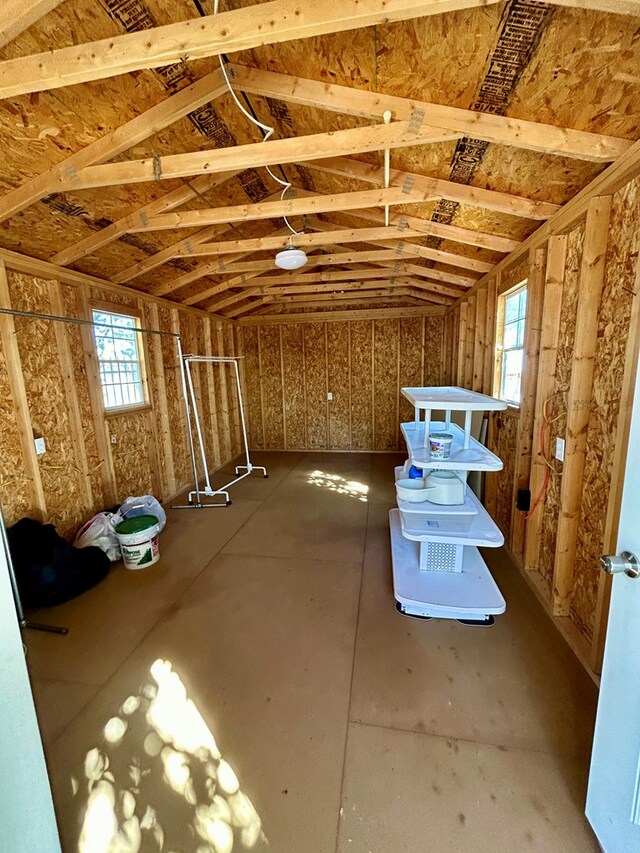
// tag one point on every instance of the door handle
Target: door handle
(626, 562)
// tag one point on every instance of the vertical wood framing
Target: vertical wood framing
(15, 377)
(552, 302)
(489, 338)
(210, 378)
(469, 347)
(462, 344)
(579, 398)
(224, 395)
(617, 474)
(61, 332)
(535, 296)
(107, 474)
(155, 345)
(479, 343)
(498, 335)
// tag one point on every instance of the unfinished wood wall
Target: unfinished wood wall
(49, 387)
(292, 367)
(581, 344)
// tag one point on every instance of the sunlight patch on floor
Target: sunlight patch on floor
(160, 736)
(338, 484)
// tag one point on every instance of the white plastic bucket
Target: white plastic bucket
(440, 445)
(138, 538)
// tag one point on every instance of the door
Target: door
(613, 798)
(26, 809)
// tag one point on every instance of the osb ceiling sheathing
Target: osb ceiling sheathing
(562, 66)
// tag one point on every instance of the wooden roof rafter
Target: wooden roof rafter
(502, 130)
(346, 201)
(136, 130)
(18, 17)
(240, 29)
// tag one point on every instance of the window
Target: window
(120, 360)
(512, 354)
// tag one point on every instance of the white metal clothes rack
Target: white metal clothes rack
(193, 421)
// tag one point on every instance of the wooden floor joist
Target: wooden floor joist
(504, 130)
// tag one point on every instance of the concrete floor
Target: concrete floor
(315, 718)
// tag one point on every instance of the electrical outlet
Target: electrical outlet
(40, 446)
(329, 395)
(114, 439)
(560, 449)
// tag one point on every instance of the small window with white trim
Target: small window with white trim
(512, 344)
(120, 360)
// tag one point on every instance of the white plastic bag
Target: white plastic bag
(100, 532)
(144, 505)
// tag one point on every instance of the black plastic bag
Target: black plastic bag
(48, 569)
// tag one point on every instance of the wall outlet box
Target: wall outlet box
(560, 449)
(114, 439)
(329, 395)
(40, 446)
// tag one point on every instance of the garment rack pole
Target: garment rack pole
(191, 406)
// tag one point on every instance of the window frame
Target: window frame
(136, 314)
(498, 378)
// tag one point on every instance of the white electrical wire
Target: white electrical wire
(268, 129)
(387, 168)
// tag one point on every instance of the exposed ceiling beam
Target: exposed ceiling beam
(16, 17)
(401, 248)
(430, 187)
(495, 242)
(291, 290)
(239, 29)
(169, 201)
(323, 316)
(204, 270)
(384, 293)
(389, 270)
(127, 135)
(340, 202)
(371, 105)
(295, 149)
(404, 250)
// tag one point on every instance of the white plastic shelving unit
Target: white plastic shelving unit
(437, 568)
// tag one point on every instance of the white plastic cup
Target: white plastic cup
(440, 445)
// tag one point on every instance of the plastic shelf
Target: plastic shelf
(471, 594)
(483, 531)
(474, 458)
(452, 399)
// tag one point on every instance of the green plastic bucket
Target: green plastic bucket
(138, 538)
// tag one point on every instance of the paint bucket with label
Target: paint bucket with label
(138, 538)
(440, 445)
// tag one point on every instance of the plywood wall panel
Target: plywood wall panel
(613, 328)
(339, 374)
(271, 381)
(253, 402)
(315, 358)
(131, 454)
(433, 348)
(294, 385)
(361, 384)
(59, 472)
(386, 341)
(411, 361)
(506, 450)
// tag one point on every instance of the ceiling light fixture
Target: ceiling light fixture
(291, 258)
